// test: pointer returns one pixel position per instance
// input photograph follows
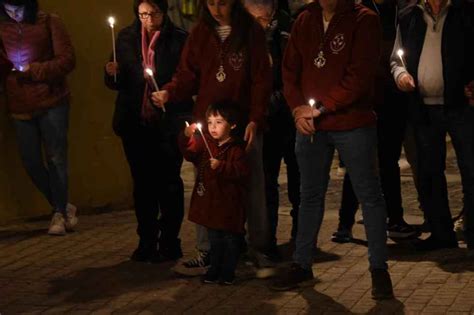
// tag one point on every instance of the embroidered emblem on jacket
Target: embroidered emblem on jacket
(236, 60)
(338, 43)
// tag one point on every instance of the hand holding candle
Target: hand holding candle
(199, 127)
(114, 52)
(155, 85)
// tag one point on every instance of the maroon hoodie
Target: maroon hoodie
(345, 84)
(248, 82)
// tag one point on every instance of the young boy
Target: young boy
(217, 201)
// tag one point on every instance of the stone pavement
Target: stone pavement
(88, 272)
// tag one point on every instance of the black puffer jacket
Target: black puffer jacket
(131, 82)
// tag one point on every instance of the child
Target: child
(218, 197)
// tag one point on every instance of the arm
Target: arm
(191, 147)
(236, 167)
(360, 72)
(123, 50)
(63, 61)
(395, 62)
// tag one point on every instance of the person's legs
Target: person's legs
(231, 256)
(30, 148)
(218, 250)
(293, 180)
(347, 212)
(431, 149)
(358, 149)
(54, 125)
(314, 160)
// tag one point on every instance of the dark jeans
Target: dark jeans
(47, 131)
(225, 252)
(431, 144)
(278, 144)
(155, 163)
(391, 135)
(357, 149)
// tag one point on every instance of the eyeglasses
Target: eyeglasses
(149, 15)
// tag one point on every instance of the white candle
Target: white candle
(311, 103)
(150, 73)
(112, 28)
(400, 54)
(199, 126)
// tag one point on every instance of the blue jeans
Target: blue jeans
(358, 150)
(47, 131)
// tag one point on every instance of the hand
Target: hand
(250, 134)
(304, 119)
(112, 68)
(215, 163)
(405, 82)
(190, 130)
(160, 98)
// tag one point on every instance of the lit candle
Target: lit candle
(400, 54)
(199, 126)
(311, 103)
(150, 74)
(112, 27)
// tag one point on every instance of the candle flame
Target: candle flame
(111, 21)
(400, 52)
(199, 126)
(312, 102)
(149, 72)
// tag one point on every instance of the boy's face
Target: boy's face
(218, 127)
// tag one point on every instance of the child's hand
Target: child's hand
(215, 163)
(189, 130)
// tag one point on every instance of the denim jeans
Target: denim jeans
(431, 145)
(358, 150)
(47, 131)
(225, 252)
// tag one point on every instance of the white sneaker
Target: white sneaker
(57, 225)
(71, 218)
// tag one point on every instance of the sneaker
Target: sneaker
(266, 268)
(459, 229)
(381, 285)
(402, 230)
(57, 225)
(294, 277)
(342, 236)
(196, 266)
(71, 218)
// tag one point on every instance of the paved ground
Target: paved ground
(89, 271)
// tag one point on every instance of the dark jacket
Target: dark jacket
(457, 50)
(46, 47)
(222, 206)
(131, 82)
(345, 84)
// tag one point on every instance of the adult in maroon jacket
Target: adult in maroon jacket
(224, 59)
(332, 57)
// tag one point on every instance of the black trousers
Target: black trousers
(225, 252)
(431, 144)
(278, 144)
(392, 120)
(155, 164)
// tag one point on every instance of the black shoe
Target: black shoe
(144, 252)
(433, 244)
(342, 235)
(210, 278)
(402, 230)
(170, 251)
(293, 278)
(381, 285)
(425, 227)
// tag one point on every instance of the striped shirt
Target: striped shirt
(223, 31)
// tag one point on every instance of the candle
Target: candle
(199, 126)
(150, 73)
(112, 28)
(311, 103)
(400, 54)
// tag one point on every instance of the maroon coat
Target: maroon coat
(248, 82)
(46, 47)
(221, 207)
(345, 84)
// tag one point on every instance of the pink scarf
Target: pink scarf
(148, 54)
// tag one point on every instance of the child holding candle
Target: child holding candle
(217, 202)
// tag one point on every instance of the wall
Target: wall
(99, 176)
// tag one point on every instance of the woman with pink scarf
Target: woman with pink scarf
(149, 134)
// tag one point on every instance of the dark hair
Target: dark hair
(241, 23)
(226, 109)
(31, 9)
(161, 4)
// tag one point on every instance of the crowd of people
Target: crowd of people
(255, 83)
